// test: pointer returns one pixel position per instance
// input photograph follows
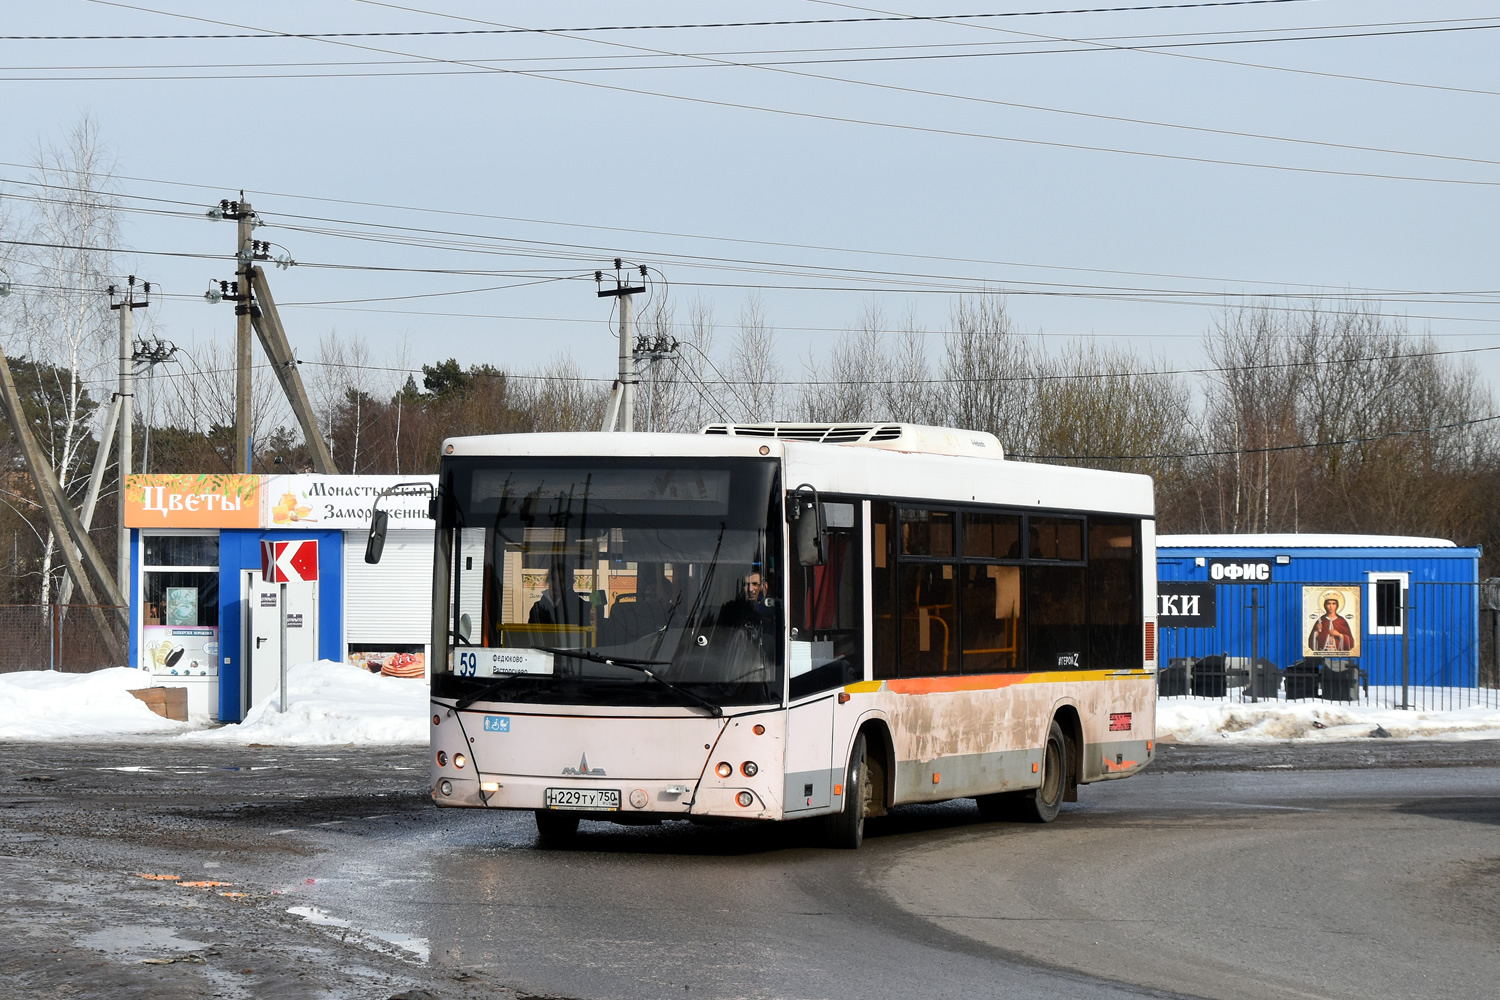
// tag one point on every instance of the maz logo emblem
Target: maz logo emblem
(583, 770)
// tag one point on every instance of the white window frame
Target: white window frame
(1372, 608)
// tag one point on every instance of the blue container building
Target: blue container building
(1318, 615)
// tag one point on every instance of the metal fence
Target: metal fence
(61, 637)
(1433, 648)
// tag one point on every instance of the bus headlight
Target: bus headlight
(445, 787)
(724, 769)
(459, 760)
(748, 769)
(442, 758)
(745, 799)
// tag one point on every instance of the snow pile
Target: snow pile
(1192, 720)
(334, 702)
(44, 704)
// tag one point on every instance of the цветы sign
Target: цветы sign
(219, 500)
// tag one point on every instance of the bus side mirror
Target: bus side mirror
(807, 532)
(379, 520)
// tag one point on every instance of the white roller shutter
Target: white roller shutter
(390, 602)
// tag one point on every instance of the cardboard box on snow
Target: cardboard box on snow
(168, 702)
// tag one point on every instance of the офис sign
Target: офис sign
(1239, 570)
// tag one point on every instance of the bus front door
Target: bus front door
(809, 756)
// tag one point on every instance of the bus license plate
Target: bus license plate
(601, 799)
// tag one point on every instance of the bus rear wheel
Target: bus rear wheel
(846, 829)
(553, 827)
(1040, 804)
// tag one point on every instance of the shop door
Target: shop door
(263, 632)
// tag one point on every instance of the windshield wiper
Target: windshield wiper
(483, 693)
(641, 666)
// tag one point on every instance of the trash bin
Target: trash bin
(1302, 679)
(1265, 681)
(1341, 680)
(1209, 680)
(1172, 680)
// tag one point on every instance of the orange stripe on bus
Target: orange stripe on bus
(984, 682)
(962, 682)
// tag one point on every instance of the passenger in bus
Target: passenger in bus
(749, 608)
(560, 604)
(651, 608)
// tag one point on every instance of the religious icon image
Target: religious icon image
(1331, 615)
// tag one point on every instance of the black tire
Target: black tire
(846, 829)
(553, 828)
(1035, 805)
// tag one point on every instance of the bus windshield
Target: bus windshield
(667, 563)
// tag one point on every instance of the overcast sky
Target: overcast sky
(886, 160)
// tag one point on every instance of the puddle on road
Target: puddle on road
(138, 940)
(322, 918)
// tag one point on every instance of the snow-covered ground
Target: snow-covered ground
(331, 703)
(40, 704)
(335, 703)
(1195, 720)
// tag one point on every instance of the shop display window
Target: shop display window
(180, 604)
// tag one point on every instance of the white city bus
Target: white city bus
(784, 621)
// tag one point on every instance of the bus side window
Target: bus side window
(827, 605)
(1056, 633)
(1114, 593)
(883, 585)
(992, 619)
(929, 619)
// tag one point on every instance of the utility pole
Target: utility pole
(244, 255)
(126, 394)
(255, 309)
(653, 351)
(621, 412)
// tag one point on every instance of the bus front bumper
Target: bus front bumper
(607, 800)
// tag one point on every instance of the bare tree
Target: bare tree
(753, 369)
(65, 314)
(848, 385)
(986, 372)
(1108, 408)
(908, 392)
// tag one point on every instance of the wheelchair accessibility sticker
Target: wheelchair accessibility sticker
(497, 723)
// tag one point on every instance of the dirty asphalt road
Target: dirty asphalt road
(1341, 871)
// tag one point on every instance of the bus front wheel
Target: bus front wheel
(846, 828)
(1042, 803)
(554, 827)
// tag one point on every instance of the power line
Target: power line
(1224, 453)
(1197, 58)
(648, 232)
(781, 69)
(1090, 44)
(977, 380)
(364, 69)
(840, 119)
(652, 27)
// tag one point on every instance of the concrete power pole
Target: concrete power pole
(621, 412)
(254, 309)
(244, 255)
(126, 395)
